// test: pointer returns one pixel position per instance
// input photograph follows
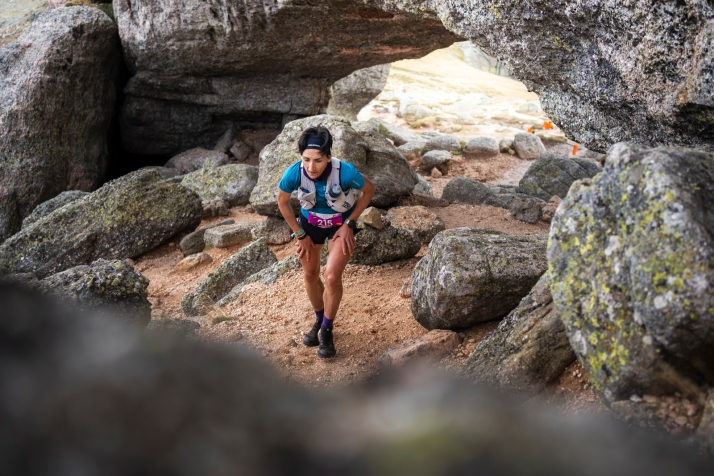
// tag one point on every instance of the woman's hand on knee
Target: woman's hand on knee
(303, 248)
(348, 239)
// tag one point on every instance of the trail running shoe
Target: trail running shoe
(310, 339)
(327, 346)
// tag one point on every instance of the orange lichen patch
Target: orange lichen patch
(575, 149)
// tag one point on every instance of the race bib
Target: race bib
(324, 220)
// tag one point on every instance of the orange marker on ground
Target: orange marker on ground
(530, 129)
(575, 149)
(547, 125)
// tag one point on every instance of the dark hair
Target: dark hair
(325, 148)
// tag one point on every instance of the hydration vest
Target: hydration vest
(337, 199)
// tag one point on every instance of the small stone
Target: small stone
(214, 208)
(481, 148)
(240, 151)
(229, 235)
(525, 208)
(505, 145)
(371, 216)
(406, 291)
(194, 242)
(681, 420)
(191, 262)
(435, 173)
(528, 146)
(249, 208)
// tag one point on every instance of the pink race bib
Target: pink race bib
(324, 220)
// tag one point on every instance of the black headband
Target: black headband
(314, 142)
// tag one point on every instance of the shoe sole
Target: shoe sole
(310, 343)
(326, 356)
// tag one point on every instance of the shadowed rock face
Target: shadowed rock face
(57, 95)
(199, 67)
(606, 71)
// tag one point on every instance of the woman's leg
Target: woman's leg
(336, 263)
(311, 275)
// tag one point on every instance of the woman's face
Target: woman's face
(314, 162)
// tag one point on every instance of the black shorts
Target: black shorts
(318, 235)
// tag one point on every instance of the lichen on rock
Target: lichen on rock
(232, 271)
(631, 258)
(231, 183)
(107, 286)
(123, 219)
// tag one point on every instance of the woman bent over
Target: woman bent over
(330, 203)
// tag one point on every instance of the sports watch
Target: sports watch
(352, 224)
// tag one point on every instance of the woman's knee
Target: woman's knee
(311, 275)
(333, 278)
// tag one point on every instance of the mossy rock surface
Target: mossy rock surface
(108, 286)
(45, 208)
(58, 85)
(553, 174)
(631, 259)
(472, 275)
(123, 219)
(231, 183)
(370, 152)
(266, 276)
(375, 246)
(234, 270)
(528, 350)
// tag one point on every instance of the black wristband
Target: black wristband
(302, 237)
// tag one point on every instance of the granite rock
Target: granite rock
(528, 350)
(221, 281)
(231, 183)
(57, 96)
(553, 174)
(471, 275)
(124, 218)
(353, 92)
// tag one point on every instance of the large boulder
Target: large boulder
(57, 95)
(232, 271)
(472, 192)
(528, 350)
(265, 276)
(198, 68)
(353, 92)
(631, 259)
(471, 275)
(370, 152)
(123, 219)
(107, 286)
(553, 174)
(231, 183)
(604, 71)
(45, 208)
(375, 246)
